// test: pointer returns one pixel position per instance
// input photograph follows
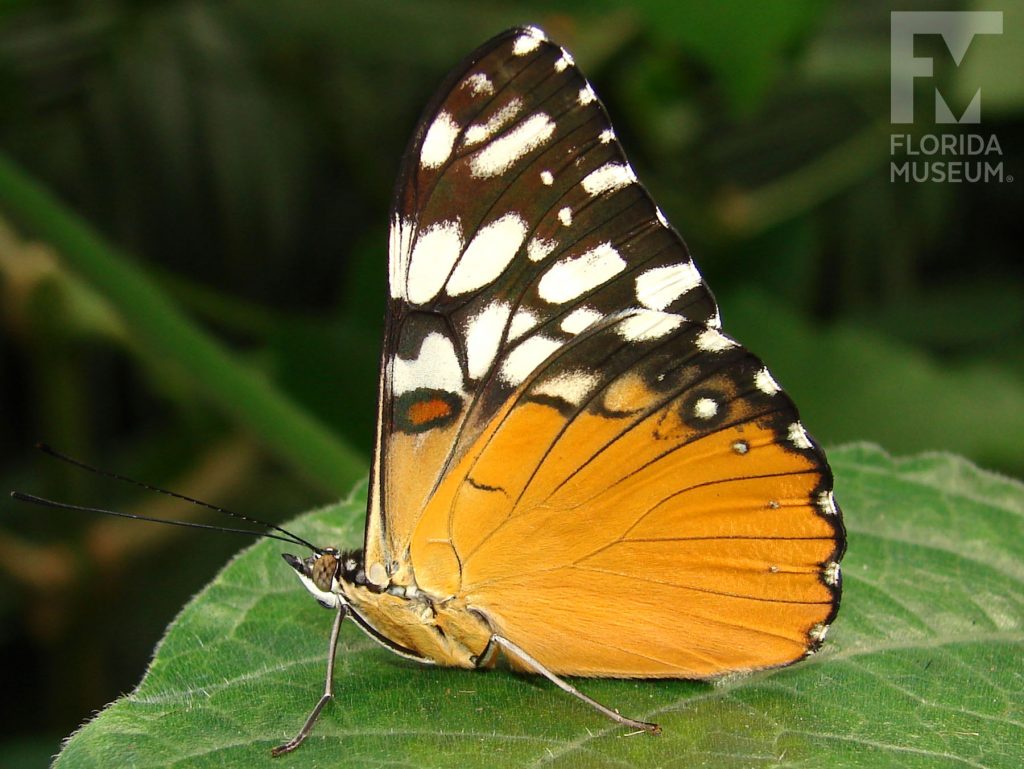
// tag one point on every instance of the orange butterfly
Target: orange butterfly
(575, 467)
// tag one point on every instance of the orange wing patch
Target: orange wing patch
(422, 414)
(674, 497)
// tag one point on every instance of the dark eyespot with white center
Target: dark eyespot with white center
(705, 408)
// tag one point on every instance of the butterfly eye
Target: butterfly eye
(325, 567)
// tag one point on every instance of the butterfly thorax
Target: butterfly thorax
(399, 616)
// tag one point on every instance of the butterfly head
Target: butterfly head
(323, 572)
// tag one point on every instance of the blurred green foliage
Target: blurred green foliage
(238, 157)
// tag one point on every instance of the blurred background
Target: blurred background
(193, 208)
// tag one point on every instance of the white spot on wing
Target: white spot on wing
(479, 83)
(435, 368)
(645, 325)
(528, 42)
(484, 332)
(827, 503)
(570, 386)
(798, 436)
(502, 153)
(579, 319)
(713, 340)
(832, 573)
(538, 249)
(477, 132)
(818, 632)
(661, 217)
(705, 408)
(569, 278)
(436, 250)
(608, 178)
(530, 353)
(586, 95)
(522, 322)
(658, 287)
(547, 178)
(399, 251)
(488, 254)
(438, 143)
(606, 136)
(564, 62)
(565, 216)
(765, 382)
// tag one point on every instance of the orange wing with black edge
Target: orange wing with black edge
(517, 223)
(663, 513)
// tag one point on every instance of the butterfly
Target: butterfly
(575, 467)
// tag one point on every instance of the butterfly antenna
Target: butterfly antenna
(31, 498)
(288, 536)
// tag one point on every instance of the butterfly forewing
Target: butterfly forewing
(567, 441)
(518, 223)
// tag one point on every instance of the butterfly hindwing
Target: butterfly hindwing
(518, 224)
(670, 487)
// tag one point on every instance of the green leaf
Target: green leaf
(923, 667)
(160, 328)
(852, 383)
(745, 42)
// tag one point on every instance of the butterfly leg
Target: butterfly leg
(328, 694)
(521, 656)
